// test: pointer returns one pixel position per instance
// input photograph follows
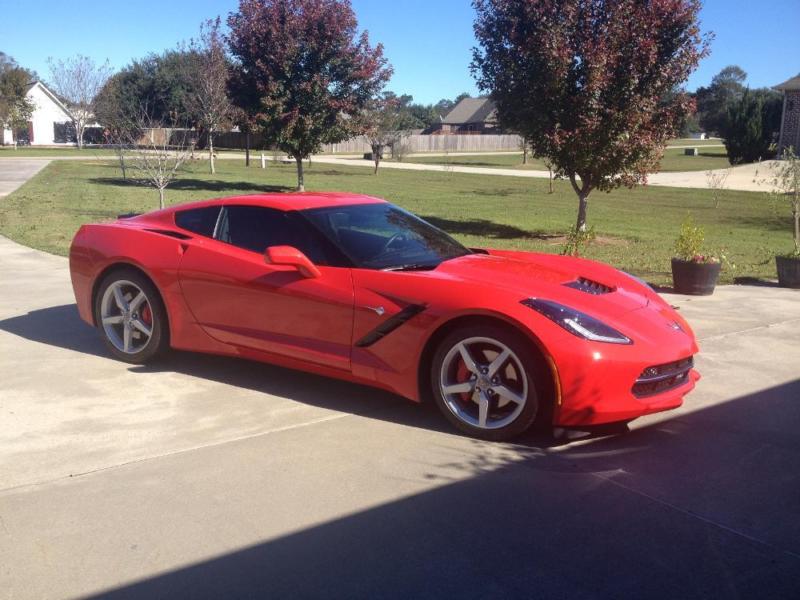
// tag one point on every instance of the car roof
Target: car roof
(286, 201)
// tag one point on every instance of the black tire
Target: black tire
(529, 360)
(159, 338)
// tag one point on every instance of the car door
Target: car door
(239, 299)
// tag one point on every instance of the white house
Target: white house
(50, 123)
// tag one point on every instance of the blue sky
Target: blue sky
(427, 41)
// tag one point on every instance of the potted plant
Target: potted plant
(786, 184)
(693, 272)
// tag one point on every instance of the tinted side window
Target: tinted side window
(256, 228)
(198, 220)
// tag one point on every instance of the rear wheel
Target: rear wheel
(130, 315)
(482, 382)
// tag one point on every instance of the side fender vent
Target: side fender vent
(390, 324)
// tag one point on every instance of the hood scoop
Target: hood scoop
(588, 286)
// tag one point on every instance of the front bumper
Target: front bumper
(624, 408)
(601, 383)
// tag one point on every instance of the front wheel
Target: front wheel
(130, 315)
(482, 382)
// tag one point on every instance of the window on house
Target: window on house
(63, 133)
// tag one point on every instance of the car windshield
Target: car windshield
(383, 236)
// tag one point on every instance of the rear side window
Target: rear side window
(256, 228)
(198, 220)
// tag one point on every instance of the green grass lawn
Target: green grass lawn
(636, 228)
(674, 160)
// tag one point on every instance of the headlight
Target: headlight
(576, 322)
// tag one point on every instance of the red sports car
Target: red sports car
(354, 287)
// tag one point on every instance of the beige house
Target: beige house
(470, 116)
(790, 122)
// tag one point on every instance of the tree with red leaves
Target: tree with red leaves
(303, 71)
(592, 84)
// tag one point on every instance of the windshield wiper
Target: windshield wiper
(413, 267)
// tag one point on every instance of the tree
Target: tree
(161, 85)
(158, 160)
(713, 101)
(747, 139)
(771, 112)
(15, 108)
(588, 82)
(209, 98)
(786, 184)
(78, 80)
(381, 122)
(303, 71)
(113, 111)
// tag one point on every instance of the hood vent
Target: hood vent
(590, 287)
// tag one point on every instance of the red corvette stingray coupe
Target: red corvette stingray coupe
(354, 287)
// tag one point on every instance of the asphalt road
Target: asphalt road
(210, 477)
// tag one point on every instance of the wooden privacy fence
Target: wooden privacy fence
(436, 143)
(356, 145)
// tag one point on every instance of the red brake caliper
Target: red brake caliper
(147, 315)
(463, 374)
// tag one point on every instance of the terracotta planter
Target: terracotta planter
(788, 271)
(693, 278)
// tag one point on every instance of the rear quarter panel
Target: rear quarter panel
(99, 247)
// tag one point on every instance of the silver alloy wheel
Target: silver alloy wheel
(123, 311)
(483, 383)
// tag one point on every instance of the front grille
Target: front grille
(661, 378)
(590, 287)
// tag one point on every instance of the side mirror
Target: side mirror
(291, 257)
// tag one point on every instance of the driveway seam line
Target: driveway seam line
(700, 517)
(176, 452)
(557, 453)
(718, 336)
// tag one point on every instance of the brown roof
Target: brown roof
(471, 110)
(789, 85)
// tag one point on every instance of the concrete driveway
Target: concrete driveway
(210, 477)
(13, 173)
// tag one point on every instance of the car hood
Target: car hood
(582, 284)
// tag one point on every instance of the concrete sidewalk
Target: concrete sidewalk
(211, 477)
(750, 178)
(13, 173)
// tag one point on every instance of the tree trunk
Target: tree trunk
(525, 154)
(583, 192)
(796, 215)
(247, 149)
(211, 150)
(583, 201)
(79, 135)
(550, 171)
(161, 197)
(376, 156)
(121, 156)
(300, 183)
